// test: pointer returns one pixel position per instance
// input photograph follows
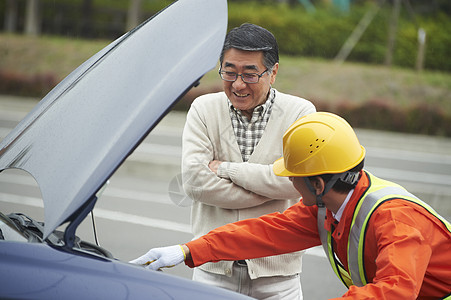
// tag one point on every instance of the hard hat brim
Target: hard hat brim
(279, 168)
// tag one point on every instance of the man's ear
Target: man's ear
(318, 184)
(273, 75)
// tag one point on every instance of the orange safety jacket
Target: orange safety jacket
(406, 253)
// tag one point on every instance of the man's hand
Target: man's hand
(214, 165)
(164, 257)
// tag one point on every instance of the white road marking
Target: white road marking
(105, 214)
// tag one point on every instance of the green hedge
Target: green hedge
(383, 115)
(19, 84)
(323, 33)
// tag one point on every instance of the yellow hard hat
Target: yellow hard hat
(319, 143)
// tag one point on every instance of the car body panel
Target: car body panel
(49, 273)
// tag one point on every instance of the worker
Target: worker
(381, 241)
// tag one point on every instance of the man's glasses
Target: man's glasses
(246, 77)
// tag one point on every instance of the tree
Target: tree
(392, 30)
(86, 24)
(134, 9)
(11, 16)
(32, 18)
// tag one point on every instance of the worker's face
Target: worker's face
(246, 96)
(308, 198)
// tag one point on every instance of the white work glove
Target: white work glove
(164, 257)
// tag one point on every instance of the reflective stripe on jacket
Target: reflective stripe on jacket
(377, 193)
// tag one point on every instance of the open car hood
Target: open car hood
(81, 132)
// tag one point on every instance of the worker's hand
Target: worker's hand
(164, 257)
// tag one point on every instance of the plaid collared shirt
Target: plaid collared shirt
(248, 133)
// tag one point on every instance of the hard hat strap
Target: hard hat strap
(350, 177)
(319, 201)
(329, 185)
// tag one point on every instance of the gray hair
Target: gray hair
(251, 37)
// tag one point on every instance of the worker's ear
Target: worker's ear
(318, 184)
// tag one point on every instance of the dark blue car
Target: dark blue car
(77, 137)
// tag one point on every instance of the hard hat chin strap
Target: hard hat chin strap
(348, 177)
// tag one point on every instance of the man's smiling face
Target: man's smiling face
(246, 96)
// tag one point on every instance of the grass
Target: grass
(320, 81)
(55, 55)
